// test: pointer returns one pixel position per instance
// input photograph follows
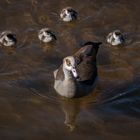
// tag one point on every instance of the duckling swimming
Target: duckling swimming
(77, 75)
(8, 39)
(68, 14)
(115, 38)
(46, 35)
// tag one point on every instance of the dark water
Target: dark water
(29, 106)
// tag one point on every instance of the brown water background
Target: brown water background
(30, 109)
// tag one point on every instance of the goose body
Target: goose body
(115, 38)
(68, 14)
(8, 39)
(78, 73)
(46, 35)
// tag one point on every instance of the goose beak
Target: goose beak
(74, 72)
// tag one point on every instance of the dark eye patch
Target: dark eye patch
(117, 33)
(12, 37)
(47, 32)
(68, 62)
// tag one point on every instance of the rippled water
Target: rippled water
(30, 107)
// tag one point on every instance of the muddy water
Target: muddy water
(30, 109)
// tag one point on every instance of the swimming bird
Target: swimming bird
(46, 35)
(115, 38)
(77, 75)
(8, 39)
(68, 14)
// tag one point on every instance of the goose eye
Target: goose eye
(68, 62)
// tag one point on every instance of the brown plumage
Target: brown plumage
(84, 61)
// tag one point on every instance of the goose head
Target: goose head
(68, 14)
(46, 35)
(69, 64)
(8, 39)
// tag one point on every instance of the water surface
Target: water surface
(30, 107)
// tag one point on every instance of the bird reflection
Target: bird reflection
(71, 109)
(48, 47)
(9, 50)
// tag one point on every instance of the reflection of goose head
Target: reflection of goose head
(71, 109)
(48, 47)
